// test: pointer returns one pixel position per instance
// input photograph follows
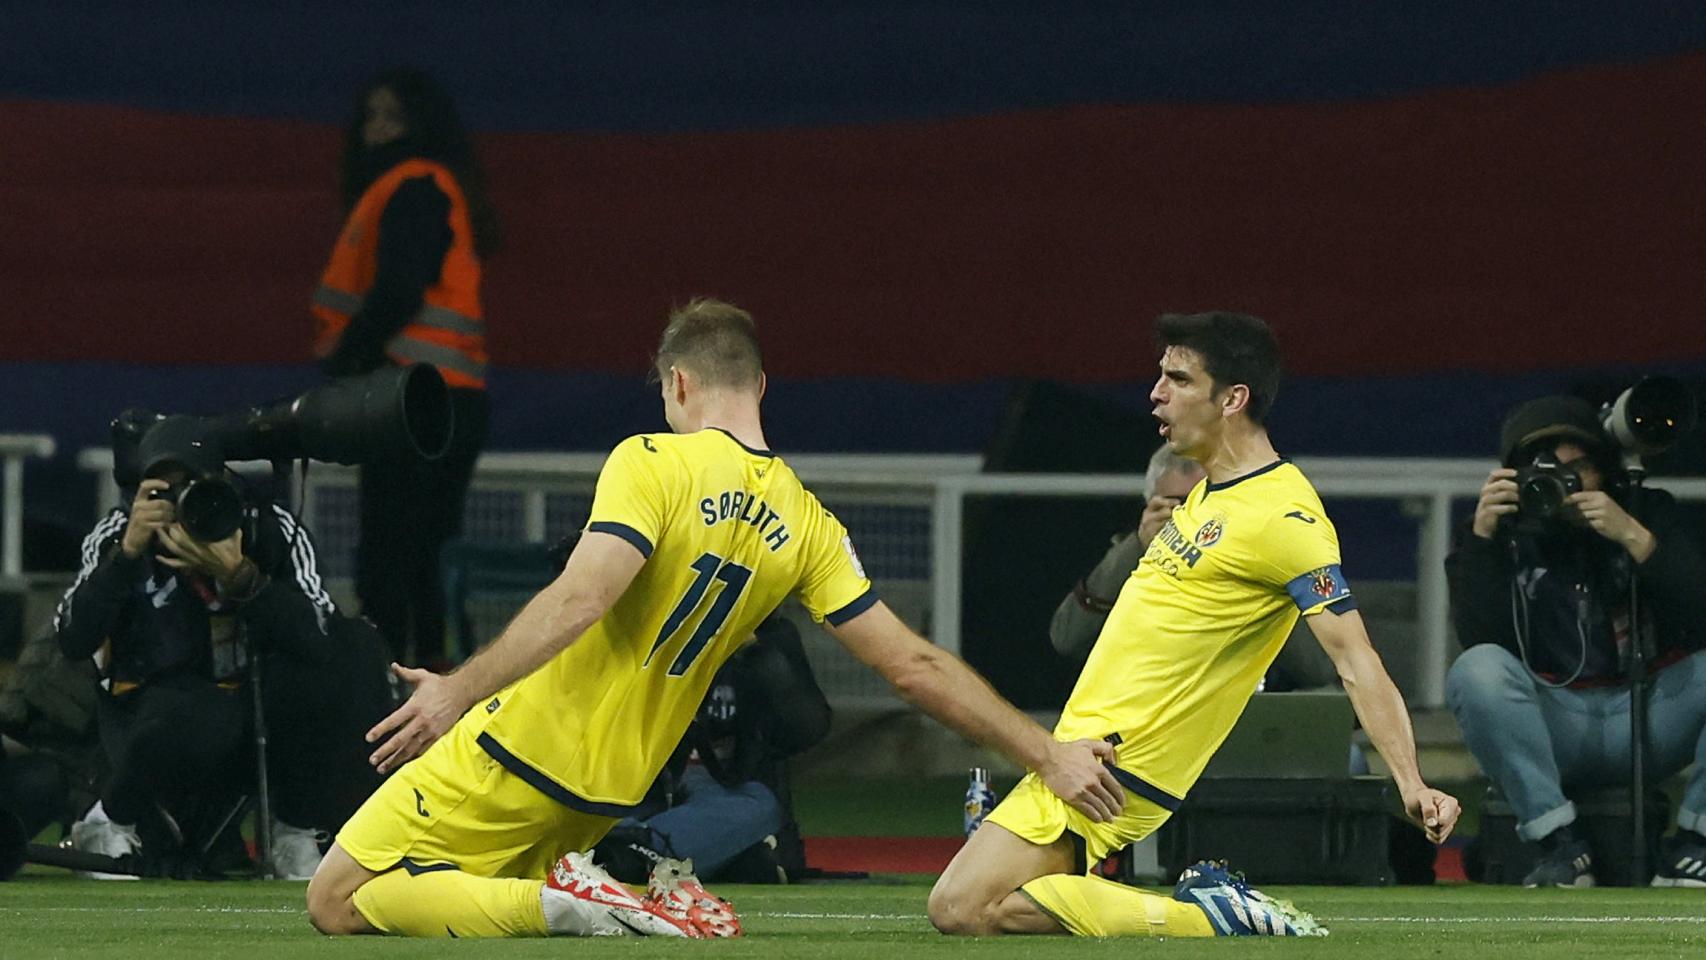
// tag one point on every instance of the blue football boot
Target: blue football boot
(1235, 910)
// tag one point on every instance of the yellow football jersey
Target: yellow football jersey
(1200, 620)
(728, 533)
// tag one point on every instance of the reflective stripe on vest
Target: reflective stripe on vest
(409, 349)
(347, 304)
(444, 318)
(439, 318)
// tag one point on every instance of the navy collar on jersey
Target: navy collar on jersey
(756, 453)
(1253, 473)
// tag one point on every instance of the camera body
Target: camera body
(1543, 490)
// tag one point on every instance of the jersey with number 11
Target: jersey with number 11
(728, 533)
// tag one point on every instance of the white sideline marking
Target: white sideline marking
(838, 916)
(1531, 919)
(792, 915)
(789, 915)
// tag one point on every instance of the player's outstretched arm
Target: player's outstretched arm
(597, 573)
(941, 685)
(1381, 709)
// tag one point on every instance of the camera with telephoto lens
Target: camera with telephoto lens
(1543, 489)
(1650, 417)
(393, 412)
(208, 508)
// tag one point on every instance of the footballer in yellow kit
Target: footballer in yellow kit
(1167, 683)
(728, 533)
(1204, 613)
(508, 769)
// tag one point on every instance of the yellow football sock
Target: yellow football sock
(450, 903)
(1093, 907)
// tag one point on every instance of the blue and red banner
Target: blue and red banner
(925, 198)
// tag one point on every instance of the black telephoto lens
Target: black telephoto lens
(210, 510)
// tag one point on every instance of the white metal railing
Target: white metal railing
(14, 449)
(941, 483)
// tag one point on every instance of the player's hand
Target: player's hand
(1434, 811)
(1155, 516)
(147, 517)
(1075, 772)
(1498, 499)
(430, 711)
(1608, 519)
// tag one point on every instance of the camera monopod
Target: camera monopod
(1646, 419)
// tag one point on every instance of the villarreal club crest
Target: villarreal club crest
(1209, 533)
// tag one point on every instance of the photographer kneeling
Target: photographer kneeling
(1540, 587)
(172, 621)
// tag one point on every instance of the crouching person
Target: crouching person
(172, 623)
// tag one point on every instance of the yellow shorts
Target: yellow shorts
(1033, 812)
(457, 805)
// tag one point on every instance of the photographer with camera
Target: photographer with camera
(1540, 590)
(1079, 618)
(176, 594)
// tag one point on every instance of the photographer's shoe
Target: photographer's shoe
(95, 833)
(582, 900)
(1683, 863)
(673, 889)
(1236, 910)
(1568, 865)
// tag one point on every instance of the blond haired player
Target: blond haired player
(511, 766)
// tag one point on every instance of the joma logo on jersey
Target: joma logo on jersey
(1173, 540)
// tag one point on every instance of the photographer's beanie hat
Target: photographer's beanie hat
(1551, 418)
(183, 441)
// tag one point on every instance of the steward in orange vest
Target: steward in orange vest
(405, 264)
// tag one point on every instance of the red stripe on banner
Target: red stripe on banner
(1552, 223)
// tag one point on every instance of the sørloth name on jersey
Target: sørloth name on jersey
(746, 508)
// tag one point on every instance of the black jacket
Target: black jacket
(1576, 585)
(166, 626)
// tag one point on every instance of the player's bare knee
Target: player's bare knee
(323, 913)
(952, 913)
(332, 912)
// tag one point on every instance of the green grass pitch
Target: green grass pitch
(48, 915)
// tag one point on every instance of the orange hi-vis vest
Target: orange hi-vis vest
(449, 331)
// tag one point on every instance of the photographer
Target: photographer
(171, 621)
(1540, 586)
(1080, 616)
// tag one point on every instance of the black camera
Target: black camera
(390, 413)
(208, 508)
(1543, 489)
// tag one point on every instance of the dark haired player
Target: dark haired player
(1202, 617)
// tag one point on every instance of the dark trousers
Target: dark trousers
(408, 510)
(165, 742)
(180, 741)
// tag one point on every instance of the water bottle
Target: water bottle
(980, 799)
